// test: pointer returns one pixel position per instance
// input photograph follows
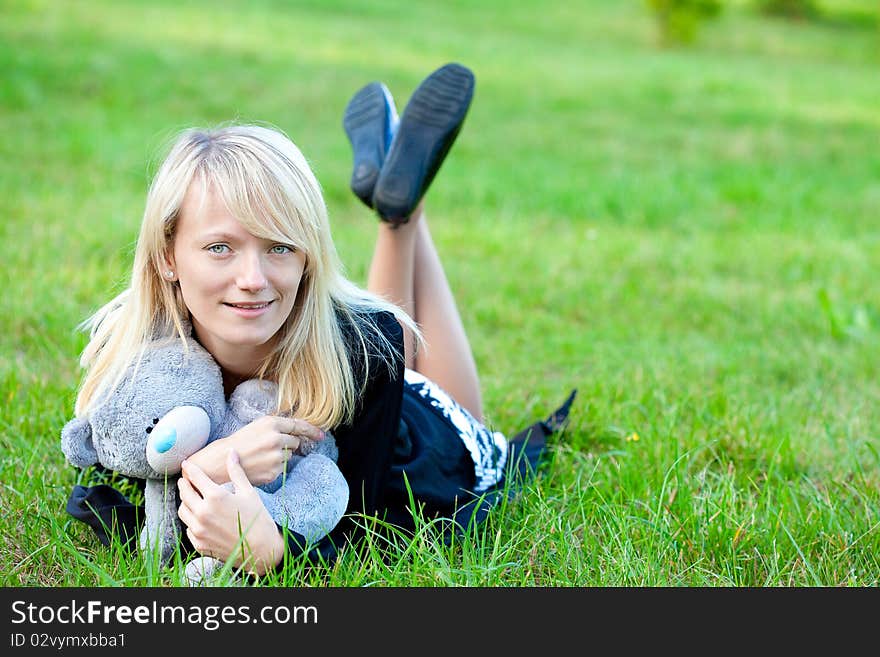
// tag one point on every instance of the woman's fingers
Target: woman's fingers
(187, 517)
(297, 427)
(198, 480)
(290, 444)
(197, 543)
(188, 495)
(236, 474)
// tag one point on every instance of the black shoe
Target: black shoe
(429, 125)
(370, 121)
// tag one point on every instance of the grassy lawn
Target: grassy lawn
(689, 236)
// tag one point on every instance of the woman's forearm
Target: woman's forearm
(266, 550)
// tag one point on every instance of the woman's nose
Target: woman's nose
(250, 274)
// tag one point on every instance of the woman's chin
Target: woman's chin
(253, 340)
(237, 345)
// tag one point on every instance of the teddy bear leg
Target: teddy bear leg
(203, 571)
(161, 530)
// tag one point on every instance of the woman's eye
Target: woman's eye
(218, 248)
(281, 249)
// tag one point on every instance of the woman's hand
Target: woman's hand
(225, 524)
(264, 447)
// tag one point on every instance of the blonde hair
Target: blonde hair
(267, 184)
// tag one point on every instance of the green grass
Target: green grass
(688, 236)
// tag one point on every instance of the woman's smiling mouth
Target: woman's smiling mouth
(250, 308)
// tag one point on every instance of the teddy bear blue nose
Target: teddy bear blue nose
(164, 439)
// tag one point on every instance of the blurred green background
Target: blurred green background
(681, 224)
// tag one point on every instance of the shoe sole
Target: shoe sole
(428, 127)
(369, 113)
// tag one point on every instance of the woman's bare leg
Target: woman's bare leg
(392, 273)
(407, 270)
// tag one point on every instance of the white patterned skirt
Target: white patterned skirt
(488, 449)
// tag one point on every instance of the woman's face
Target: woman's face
(239, 288)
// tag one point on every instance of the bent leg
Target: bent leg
(406, 269)
(448, 360)
(391, 274)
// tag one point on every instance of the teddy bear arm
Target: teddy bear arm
(312, 499)
(252, 399)
(325, 447)
(77, 444)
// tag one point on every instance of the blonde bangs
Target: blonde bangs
(268, 205)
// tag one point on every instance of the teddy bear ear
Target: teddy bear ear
(76, 443)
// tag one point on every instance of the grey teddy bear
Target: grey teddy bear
(171, 404)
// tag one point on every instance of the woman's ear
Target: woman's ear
(169, 269)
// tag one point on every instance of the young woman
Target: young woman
(235, 238)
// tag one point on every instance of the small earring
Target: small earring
(169, 274)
